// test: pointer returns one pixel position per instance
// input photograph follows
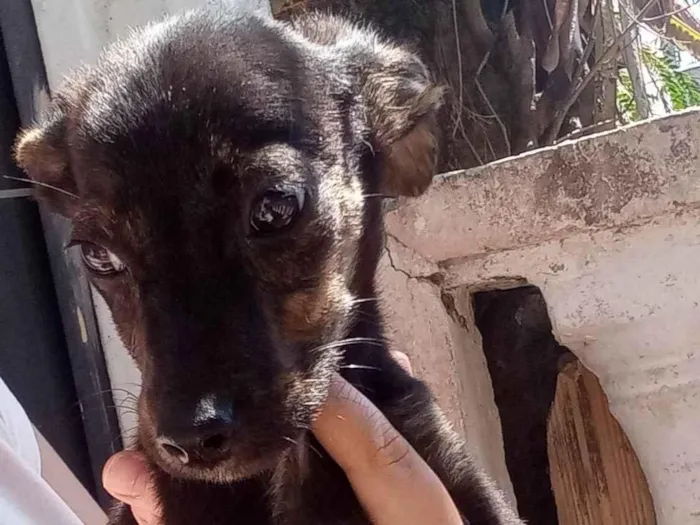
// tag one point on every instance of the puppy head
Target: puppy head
(219, 172)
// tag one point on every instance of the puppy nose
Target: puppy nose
(205, 438)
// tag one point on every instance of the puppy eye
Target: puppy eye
(276, 210)
(100, 260)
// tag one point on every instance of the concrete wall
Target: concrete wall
(607, 227)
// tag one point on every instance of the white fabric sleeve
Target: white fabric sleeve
(25, 497)
(16, 430)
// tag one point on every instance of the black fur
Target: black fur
(163, 147)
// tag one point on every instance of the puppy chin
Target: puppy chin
(228, 471)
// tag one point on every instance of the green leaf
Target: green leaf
(681, 89)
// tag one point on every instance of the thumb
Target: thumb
(126, 476)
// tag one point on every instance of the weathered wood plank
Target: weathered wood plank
(596, 476)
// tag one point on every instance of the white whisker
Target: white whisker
(43, 185)
(361, 367)
(364, 300)
(287, 438)
(348, 341)
(376, 195)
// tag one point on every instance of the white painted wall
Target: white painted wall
(609, 229)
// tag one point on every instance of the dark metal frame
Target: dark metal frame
(73, 291)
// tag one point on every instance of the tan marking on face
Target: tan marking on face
(303, 314)
(307, 314)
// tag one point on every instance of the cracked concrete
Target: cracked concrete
(609, 229)
(425, 303)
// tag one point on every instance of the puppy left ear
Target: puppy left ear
(402, 104)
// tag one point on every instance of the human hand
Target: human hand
(392, 482)
(127, 478)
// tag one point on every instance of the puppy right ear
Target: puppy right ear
(402, 104)
(401, 101)
(41, 152)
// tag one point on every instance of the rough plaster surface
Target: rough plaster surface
(610, 181)
(609, 229)
(437, 330)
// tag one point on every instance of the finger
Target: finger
(391, 480)
(126, 477)
(403, 360)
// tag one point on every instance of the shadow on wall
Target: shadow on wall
(568, 459)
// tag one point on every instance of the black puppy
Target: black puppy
(222, 172)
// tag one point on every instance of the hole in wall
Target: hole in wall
(523, 360)
(569, 461)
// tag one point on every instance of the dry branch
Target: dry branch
(609, 53)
